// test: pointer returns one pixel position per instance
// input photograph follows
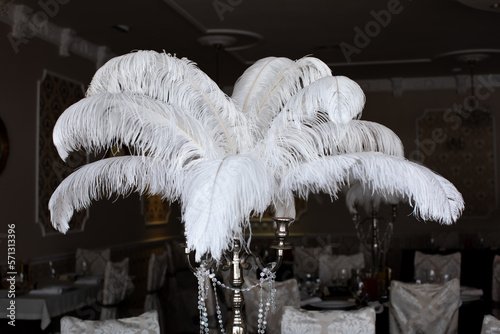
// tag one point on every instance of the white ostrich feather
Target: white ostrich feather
(297, 137)
(432, 196)
(218, 199)
(178, 82)
(256, 79)
(365, 136)
(340, 97)
(283, 82)
(150, 126)
(104, 178)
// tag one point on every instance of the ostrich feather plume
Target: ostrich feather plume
(219, 197)
(381, 173)
(289, 129)
(108, 177)
(150, 126)
(179, 82)
(266, 86)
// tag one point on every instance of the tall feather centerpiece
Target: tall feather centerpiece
(289, 129)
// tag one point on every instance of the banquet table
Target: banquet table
(45, 304)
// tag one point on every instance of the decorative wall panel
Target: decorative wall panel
(155, 210)
(460, 146)
(55, 95)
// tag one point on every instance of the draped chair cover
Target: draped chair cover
(306, 260)
(157, 269)
(424, 308)
(330, 265)
(299, 321)
(491, 325)
(116, 283)
(146, 323)
(441, 265)
(287, 294)
(95, 261)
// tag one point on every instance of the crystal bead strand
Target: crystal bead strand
(264, 311)
(202, 274)
(217, 306)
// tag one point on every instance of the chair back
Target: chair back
(157, 271)
(436, 268)
(116, 283)
(299, 321)
(491, 325)
(424, 308)
(91, 262)
(287, 294)
(495, 284)
(145, 323)
(332, 266)
(306, 261)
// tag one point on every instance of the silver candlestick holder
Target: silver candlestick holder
(377, 237)
(237, 261)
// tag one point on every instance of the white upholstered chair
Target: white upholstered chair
(424, 308)
(433, 268)
(157, 270)
(116, 284)
(299, 321)
(91, 262)
(331, 265)
(306, 260)
(491, 325)
(146, 323)
(287, 294)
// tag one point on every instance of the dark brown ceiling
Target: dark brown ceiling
(406, 44)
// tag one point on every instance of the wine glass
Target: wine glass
(358, 291)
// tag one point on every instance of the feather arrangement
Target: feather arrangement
(289, 129)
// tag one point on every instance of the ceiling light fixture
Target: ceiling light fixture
(475, 112)
(122, 28)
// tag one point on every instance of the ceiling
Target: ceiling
(410, 39)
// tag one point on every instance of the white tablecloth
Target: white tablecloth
(44, 307)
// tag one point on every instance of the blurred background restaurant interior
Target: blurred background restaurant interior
(413, 59)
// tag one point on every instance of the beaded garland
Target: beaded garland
(204, 276)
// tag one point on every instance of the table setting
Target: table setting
(49, 297)
(345, 292)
